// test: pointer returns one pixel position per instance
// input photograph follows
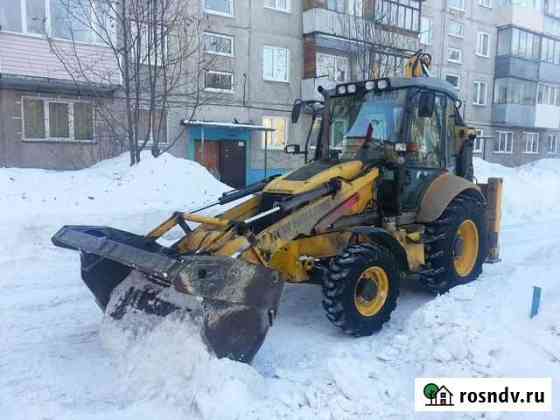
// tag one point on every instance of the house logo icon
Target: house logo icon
(438, 396)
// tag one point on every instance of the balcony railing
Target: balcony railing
(355, 28)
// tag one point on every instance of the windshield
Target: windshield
(353, 116)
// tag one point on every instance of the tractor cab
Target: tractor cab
(410, 128)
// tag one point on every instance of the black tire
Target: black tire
(343, 279)
(442, 248)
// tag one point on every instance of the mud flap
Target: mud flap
(236, 300)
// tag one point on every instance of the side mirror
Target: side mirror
(296, 110)
(426, 104)
(292, 149)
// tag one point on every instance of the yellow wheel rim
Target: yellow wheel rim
(465, 260)
(371, 291)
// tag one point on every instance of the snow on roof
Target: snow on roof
(197, 123)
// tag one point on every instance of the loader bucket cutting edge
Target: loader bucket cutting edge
(237, 300)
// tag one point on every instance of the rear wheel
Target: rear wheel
(456, 244)
(361, 288)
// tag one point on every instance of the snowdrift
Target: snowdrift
(56, 364)
(111, 186)
(531, 192)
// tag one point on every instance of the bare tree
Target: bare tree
(157, 62)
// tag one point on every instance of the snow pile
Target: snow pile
(171, 365)
(57, 364)
(531, 192)
(111, 186)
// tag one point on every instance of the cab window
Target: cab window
(426, 133)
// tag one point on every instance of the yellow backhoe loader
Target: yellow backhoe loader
(393, 202)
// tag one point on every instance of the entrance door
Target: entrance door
(224, 159)
(233, 163)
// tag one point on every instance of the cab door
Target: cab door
(427, 144)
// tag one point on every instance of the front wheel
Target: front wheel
(361, 289)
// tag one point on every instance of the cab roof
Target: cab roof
(402, 82)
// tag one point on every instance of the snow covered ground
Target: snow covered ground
(58, 360)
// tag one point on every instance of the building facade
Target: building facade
(46, 118)
(504, 58)
(263, 55)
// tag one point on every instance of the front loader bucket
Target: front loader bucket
(237, 301)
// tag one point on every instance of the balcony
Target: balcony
(349, 27)
(509, 66)
(527, 116)
(549, 73)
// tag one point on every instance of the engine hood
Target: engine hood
(313, 175)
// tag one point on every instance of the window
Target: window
(531, 142)
(83, 121)
(548, 95)
(278, 138)
(55, 18)
(36, 16)
(338, 130)
(480, 93)
(218, 81)
(456, 4)
(403, 14)
(385, 65)
(336, 5)
(55, 120)
(456, 29)
(355, 7)
(59, 120)
(427, 133)
(552, 8)
(282, 5)
(504, 143)
(514, 91)
(454, 80)
(34, 119)
(553, 144)
(485, 3)
(426, 31)
(518, 43)
(455, 55)
(337, 68)
(478, 144)
(219, 7)
(10, 15)
(218, 44)
(275, 64)
(483, 44)
(550, 52)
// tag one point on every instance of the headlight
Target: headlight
(370, 85)
(382, 84)
(400, 147)
(341, 90)
(351, 88)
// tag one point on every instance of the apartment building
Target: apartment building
(274, 51)
(47, 119)
(504, 58)
(262, 56)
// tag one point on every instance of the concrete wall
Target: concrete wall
(473, 68)
(14, 151)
